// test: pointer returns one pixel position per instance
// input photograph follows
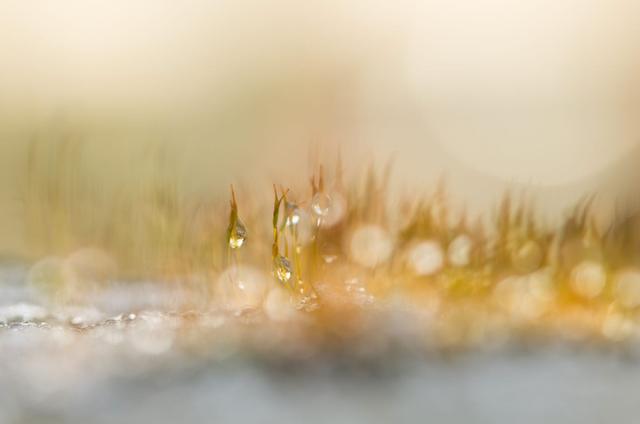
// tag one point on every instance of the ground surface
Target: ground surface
(132, 369)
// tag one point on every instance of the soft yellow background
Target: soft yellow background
(543, 94)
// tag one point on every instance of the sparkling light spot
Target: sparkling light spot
(588, 279)
(370, 245)
(426, 258)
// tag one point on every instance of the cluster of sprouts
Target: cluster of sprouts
(476, 279)
(335, 258)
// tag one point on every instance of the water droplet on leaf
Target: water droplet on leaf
(282, 269)
(320, 204)
(293, 214)
(237, 235)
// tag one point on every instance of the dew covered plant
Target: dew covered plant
(336, 259)
(237, 233)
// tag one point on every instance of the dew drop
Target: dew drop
(305, 228)
(293, 220)
(293, 214)
(320, 204)
(282, 269)
(334, 210)
(238, 235)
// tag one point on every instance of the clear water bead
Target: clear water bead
(293, 214)
(282, 269)
(320, 204)
(238, 235)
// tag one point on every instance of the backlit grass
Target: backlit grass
(332, 253)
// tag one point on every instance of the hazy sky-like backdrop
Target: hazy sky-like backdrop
(544, 93)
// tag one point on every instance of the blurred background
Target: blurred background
(542, 95)
(122, 124)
